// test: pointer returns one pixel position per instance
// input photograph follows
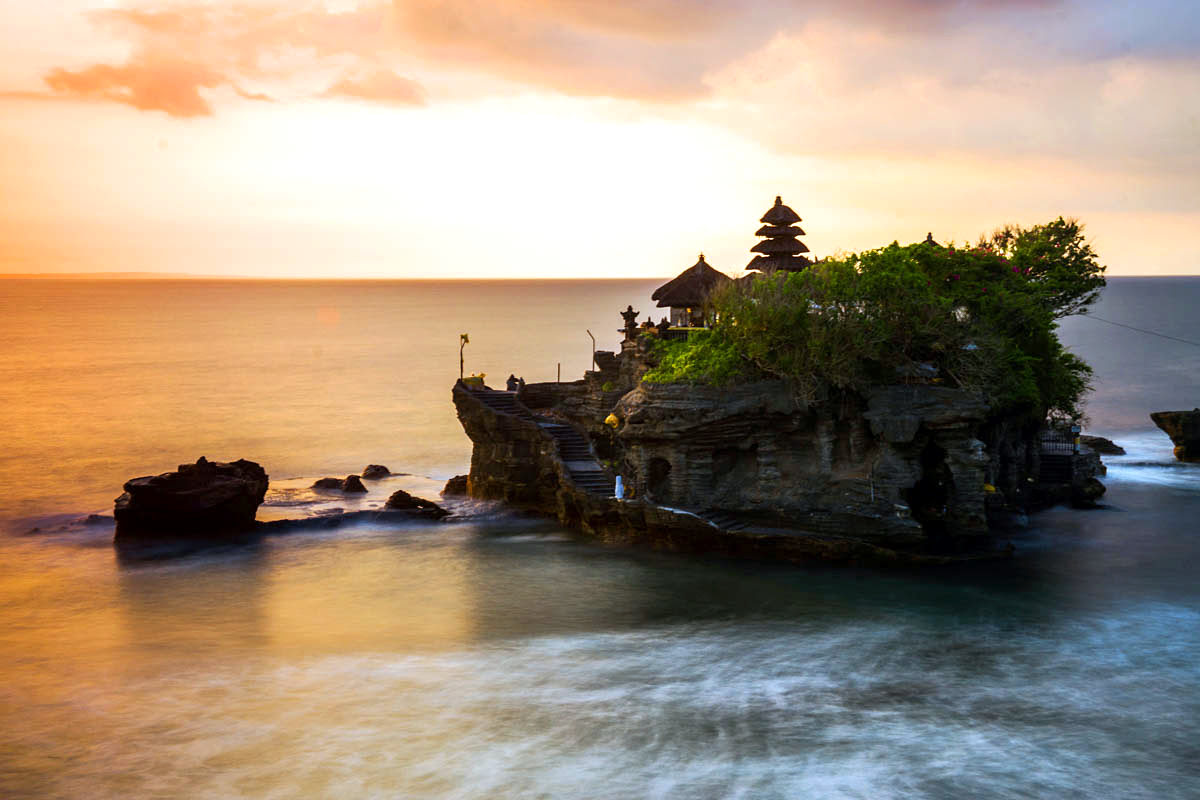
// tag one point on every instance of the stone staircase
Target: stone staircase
(573, 448)
(724, 520)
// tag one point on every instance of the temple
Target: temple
(687, 294)
(780, 249)
(901, 471)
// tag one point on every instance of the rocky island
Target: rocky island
(1184, 429)
(747, 424)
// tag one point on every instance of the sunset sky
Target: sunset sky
(583, 138)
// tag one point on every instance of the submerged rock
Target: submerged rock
(1105, 447)
(1184, 429)
(403, 501)
(351, 483)
(455, 487)
(205, 497)
(375, 472)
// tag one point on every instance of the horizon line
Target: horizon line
(186, 276)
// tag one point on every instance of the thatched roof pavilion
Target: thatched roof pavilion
(780, 248)
(687, 293)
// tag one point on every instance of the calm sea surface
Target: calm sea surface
(496, 657)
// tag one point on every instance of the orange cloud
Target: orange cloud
(383, 86)
(147, 82)
(657, 50)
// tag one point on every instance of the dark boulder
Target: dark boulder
(403, 501)
(1105, 447)
(1085, 493)
(1184, 429)
(375, 472)
(351, 483)
(455, 487)
(205, 497)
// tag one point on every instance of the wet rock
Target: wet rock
(1184, 429)
(1086, 493)
(351, 483)
(1105, 447)
(205, 497)
(375, 472)
(403, 501)
(456, 486)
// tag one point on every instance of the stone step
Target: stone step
(725, 520)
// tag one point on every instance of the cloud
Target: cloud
(655, 51)
(182, 51)
(146, 82)
(383, 86)
(836, 90)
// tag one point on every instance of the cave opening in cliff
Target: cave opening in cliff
(931, 495)
(658, 479)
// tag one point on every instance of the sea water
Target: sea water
(498, 657)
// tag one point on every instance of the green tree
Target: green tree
(1058, 262)
(985, 317)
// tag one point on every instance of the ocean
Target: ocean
(498, 657)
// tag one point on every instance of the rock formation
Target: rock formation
(1184, 429)
(403, 501)
(350, 484)
(1098, 444)
(456, 486)
(912, 471)
(375, 472)
(203, 498)
(1086, 493)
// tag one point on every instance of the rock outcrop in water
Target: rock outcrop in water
(909, 472)
(418, 506)
(455, 487)
(1184, 429)
(207, 497)
(350, 484)
(375, 472)
(1098, 444)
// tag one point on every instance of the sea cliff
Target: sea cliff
(906, 472)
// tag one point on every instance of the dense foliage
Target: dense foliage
(983, 318)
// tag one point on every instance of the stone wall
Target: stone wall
(902, 465)
(512, 459)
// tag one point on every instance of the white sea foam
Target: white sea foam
(1149, 459)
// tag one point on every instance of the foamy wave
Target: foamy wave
(1150, 459)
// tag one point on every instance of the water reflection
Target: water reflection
(505, 659)
(192, 596)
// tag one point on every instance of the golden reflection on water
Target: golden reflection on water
(102, 381)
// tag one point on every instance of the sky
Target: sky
(584, 138)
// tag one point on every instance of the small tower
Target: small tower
(780, 248)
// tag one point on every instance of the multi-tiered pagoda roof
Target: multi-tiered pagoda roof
(780, 248)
